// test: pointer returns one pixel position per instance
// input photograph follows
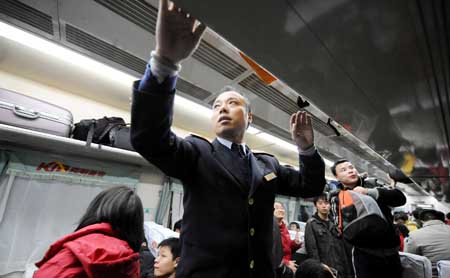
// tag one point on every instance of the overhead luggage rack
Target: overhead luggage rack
(11, 136)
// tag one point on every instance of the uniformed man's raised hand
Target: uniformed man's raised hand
(301, 130)
(177, 33)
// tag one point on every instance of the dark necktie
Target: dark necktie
(238, 149)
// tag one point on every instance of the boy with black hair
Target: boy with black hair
(322, 240)
(168, 258)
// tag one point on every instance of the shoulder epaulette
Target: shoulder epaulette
(262, 153)
(201, 138)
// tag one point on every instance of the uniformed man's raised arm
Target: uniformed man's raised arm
(310, 180)
(177, 36)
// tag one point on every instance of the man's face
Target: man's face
(293, 227)
(347, 174)
(230, 118)
(278, 211)
(164, 263)
(322, 206)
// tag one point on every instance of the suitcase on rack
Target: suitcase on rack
(31, 113)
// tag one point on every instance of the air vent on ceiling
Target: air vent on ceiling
(212, 57)
(104, 49)
(192, 90)
(27, 14)
(145, 15)
(279, 100)
(139, 12)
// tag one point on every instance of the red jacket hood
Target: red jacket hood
(98, 250)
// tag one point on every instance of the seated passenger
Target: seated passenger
(312, 268)
(294, 226)
(106, 243)
(432, 240)
(168, 258)
(177, 226)
(289, 246)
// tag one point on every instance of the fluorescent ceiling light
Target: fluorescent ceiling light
(278, 141)
(253, 130)
(328, 162)
(63, 53)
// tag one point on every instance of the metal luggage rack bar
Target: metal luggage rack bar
(13, 137)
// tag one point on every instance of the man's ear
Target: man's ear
(249, 119)
(177, 260)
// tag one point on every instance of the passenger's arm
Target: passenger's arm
(385, 196)
(410, 246)
(310, 242)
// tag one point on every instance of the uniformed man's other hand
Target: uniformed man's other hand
(301, 130)
(177, 33)
(292, 265)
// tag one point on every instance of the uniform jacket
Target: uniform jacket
(431, 241)
(227, 223)
(94, 251)
(323, 243)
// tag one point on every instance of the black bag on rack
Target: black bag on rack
(110, 131)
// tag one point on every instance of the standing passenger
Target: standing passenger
(289, 245)
(382, 258)
(322, 240)
(106, 243)
(229, 191)
(168, 258)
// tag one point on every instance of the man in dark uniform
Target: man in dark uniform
(228, 190)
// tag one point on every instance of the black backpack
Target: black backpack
(105, 131)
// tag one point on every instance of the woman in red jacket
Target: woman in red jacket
(106, 242)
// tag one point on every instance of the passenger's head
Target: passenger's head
(429, 214)
(294, 226)
(400, 217)
(322, 204)
(168, 257)
(312, 268)
(177, 226)
(231, 115)
(447, 216)
(345, 172)
(121, 207)
(278, 211)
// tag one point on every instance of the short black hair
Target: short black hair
(122, 208)
(229, 88)
(400, 216)
(333, 168)
(429, 214)
(312, 268)
(174, 245)
(323, 197)
(416, 213)
(296, 224)
(177, 225)
(448, 215)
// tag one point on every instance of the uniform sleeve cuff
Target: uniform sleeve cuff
(162, 67)
(308, 152)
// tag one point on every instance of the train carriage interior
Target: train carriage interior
(374, 75)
